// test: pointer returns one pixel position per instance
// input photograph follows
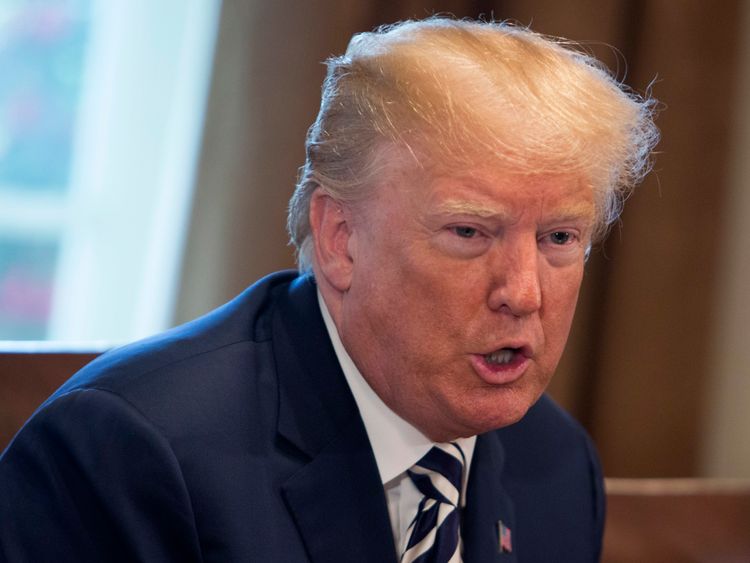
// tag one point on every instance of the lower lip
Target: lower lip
(499, 374)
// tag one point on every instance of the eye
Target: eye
(560, 237)
(463, 241)
(465, 232)
(562, 247)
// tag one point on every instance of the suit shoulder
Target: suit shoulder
(242, 322)
(177, 378)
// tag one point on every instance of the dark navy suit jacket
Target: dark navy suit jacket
(236, 438)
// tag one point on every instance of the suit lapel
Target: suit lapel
(487, 504)
(338, 503)
(336, 498)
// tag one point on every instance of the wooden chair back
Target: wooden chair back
(677, 520)
(28, 378)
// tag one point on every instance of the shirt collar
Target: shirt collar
(397, 444)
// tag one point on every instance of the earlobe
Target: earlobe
(332, 234)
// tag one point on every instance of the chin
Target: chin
(481, 419)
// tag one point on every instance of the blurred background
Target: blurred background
(148, 151)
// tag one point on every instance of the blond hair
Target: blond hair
(462, 93)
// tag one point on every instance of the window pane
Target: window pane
(41, 54)
(101, 106)
(26, 273)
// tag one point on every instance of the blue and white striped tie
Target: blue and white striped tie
(434, 532)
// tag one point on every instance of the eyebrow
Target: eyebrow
(566, 213)
(470, 208)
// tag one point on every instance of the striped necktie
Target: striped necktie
(434, 532)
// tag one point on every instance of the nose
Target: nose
(516, 285)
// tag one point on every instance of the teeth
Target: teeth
(502, 356)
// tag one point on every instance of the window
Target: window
(101, 109)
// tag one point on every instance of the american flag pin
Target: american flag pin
(504, 543)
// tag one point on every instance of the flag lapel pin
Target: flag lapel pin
(504, 541)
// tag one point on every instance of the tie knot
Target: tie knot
(439, 474)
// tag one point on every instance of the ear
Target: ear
(331, 230)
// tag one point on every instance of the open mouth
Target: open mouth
(504, 365)
(503, 356)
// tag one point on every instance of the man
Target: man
(390, 405)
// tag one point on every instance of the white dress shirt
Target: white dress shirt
(397, 445)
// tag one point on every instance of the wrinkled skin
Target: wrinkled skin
(431, 274)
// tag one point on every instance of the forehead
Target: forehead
(413, 180)
(492, 193)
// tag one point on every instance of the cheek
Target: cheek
(443, 307)
(420, 321)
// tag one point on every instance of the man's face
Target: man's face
(462, 293)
